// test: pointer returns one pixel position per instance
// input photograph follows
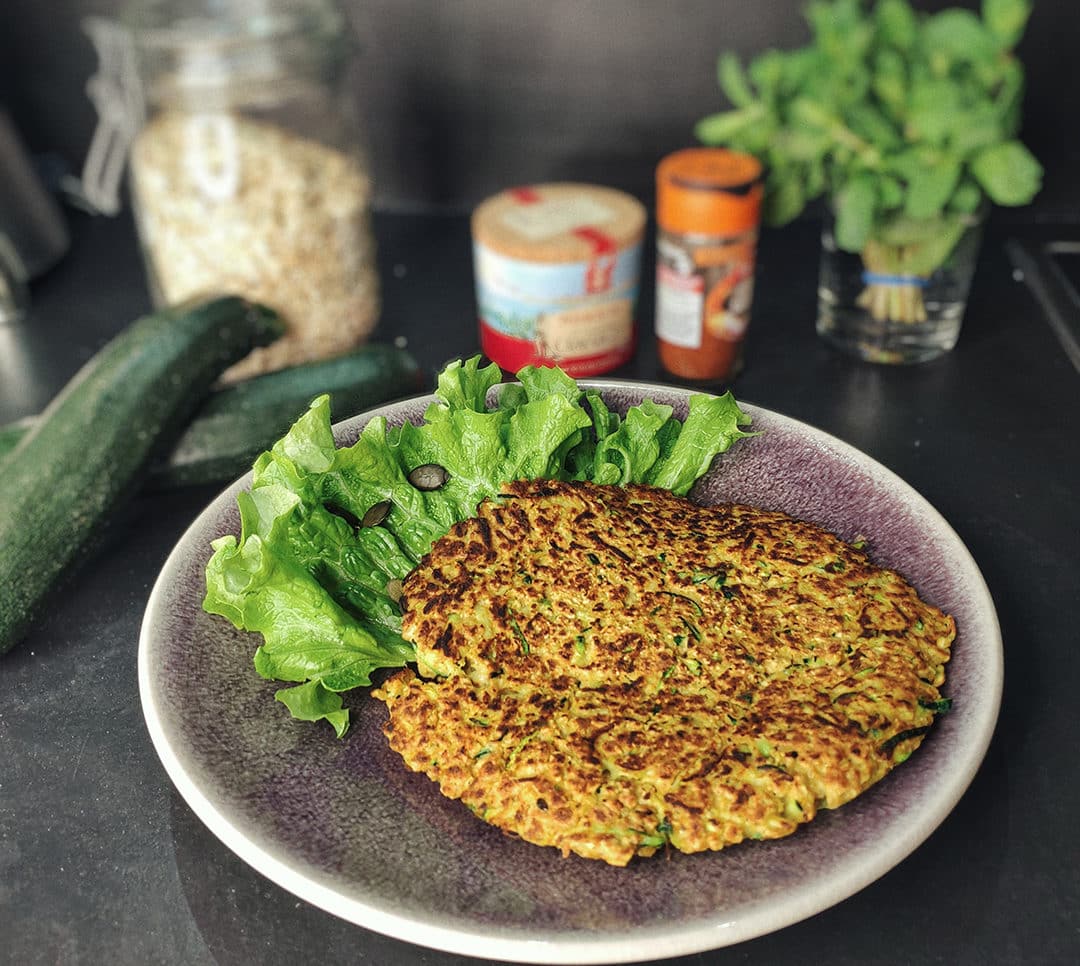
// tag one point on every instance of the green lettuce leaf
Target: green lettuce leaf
(313, 701)
(712, 425)
(306, 635)
(627, 454)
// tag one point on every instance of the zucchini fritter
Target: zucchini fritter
(610, 670)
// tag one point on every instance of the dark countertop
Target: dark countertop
(102, 861)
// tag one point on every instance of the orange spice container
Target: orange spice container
(708, 208)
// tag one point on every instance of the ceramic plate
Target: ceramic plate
(343, 824)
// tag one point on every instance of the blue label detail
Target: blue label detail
(512, 294)
(894, 281)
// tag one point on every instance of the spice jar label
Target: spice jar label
(590, 330)
(679, 303)
(535, 313)
(713, 300)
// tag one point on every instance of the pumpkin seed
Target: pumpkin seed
(393, 589)
(428, 476)
(376, 513)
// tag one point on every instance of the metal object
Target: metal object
(33, 233)
(1057, 295)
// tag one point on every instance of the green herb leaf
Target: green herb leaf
(930, 189)
(1006, 20)
(966, 198)
(767, 73)
(1008, 173)
(925, 257)
(871, 124)
(733, 80)
(957, 36)
(854, 208)
(934, 103)
(979, 125)
(896, 23)
(784, 197)
(890, 83)
(726, 126)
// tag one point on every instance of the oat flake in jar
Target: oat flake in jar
(247, 174)
(557, 273)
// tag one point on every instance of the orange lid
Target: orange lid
(708, 191)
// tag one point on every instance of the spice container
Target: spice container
(246, 172)
(557, 271)
(708, 207)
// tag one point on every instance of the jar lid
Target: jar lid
(708, 191)
(213, 54)
(560, 222)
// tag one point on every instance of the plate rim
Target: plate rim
(581, 947)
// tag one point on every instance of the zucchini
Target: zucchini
(234, 424)
(87, 449)
(13, 432)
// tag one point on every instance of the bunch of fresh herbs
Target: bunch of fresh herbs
(906, 122)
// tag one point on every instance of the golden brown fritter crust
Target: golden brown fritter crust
(610, 669)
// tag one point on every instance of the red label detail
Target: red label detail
(512, 354)
(525, 195)
(598, 275)
(602, 244)
(672, 279)
(602, 267)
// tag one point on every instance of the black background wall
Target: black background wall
(463, 97)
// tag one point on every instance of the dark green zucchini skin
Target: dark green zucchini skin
(13, 432)
(235, 423)
(87, 450)
(238, 422)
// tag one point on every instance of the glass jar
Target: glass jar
(247, 174)
(899, 301)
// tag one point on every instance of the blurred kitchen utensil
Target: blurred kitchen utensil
(30, 217)
(33, 234)
(14, 297)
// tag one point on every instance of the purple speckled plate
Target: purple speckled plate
(344, 825)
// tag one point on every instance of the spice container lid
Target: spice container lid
(560, 222)
(708, 191)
